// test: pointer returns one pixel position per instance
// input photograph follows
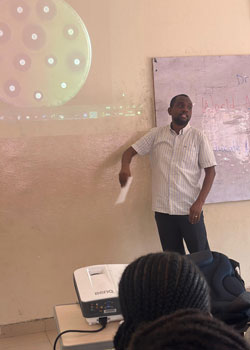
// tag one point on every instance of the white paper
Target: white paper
(124, 191)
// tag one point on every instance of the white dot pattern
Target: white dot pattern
(45, 70)
(51, 60)
(34, 36)
(19, 9)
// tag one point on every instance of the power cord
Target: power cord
(102, 320)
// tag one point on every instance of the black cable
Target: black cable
(102, 320)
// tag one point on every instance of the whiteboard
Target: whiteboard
(219, 87)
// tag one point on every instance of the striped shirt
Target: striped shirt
(177, 161)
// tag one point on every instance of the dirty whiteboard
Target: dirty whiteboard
(219, 87)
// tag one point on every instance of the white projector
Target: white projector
(97, 291)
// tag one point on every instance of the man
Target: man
(178, 153)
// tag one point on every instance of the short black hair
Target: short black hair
(172, 102)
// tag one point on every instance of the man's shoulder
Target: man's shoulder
(157, 130)
(161, 129)
(199, 136)
(197, 132)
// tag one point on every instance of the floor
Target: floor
(35, 341)
(41, 341)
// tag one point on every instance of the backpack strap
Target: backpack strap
(236, 265)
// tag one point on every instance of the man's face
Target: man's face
(181, 111)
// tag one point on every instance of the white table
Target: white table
(70, 317)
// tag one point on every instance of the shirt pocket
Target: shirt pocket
(189, 156)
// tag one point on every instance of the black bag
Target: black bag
(230, 302)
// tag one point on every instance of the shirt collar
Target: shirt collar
(182, 131)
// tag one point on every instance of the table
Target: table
(69, 316)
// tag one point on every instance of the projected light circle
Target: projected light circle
(45, 52)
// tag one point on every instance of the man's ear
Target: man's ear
(169, 110)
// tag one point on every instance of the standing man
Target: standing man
(178, 153)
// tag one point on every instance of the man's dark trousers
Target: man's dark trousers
(173, 229)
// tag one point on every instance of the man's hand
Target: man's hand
(125, 169)
(123, 177)
(196, 208)
(195, 212)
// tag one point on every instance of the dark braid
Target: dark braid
(188, 329)
(158, 284)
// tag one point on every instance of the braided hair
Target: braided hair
(188, 329)
(158, 284)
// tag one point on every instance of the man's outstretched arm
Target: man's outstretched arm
(125, 168)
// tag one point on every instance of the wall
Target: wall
(59, 179)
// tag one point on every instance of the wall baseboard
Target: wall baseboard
(28, 327)
(33, 326)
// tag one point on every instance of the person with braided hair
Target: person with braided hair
(188, 329)
(158, 284)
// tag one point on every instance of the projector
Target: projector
(97, 291)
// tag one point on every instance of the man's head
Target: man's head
(180, 110)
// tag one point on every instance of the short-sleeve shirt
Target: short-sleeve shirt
(177, 161)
